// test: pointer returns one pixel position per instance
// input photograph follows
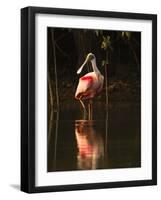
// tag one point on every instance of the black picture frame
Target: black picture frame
(28, 98)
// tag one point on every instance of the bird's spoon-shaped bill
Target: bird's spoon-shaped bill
(80, 69)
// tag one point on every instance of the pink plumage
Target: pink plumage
(89, 86)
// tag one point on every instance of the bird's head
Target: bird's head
(90, 56)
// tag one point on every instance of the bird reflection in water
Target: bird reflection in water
(90, 145)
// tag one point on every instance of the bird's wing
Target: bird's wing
(85, 83)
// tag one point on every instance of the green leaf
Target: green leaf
(126, 35)
(106, 43)
(123, 34)
(103, 63)
(101, 32)
(97, 32)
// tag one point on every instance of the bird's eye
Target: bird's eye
(90, 56)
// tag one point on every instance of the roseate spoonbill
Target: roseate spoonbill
(91, 84)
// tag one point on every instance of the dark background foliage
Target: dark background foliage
(117, 51)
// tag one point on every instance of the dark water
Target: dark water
(103, 143)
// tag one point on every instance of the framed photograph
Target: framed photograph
(88, 99)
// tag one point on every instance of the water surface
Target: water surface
(102, 143)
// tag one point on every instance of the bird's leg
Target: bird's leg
(90, 109)
(91, 105)
(84, 109)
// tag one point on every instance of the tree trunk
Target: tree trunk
(55, 69)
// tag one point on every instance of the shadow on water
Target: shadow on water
(90, 145)
(94, 144)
